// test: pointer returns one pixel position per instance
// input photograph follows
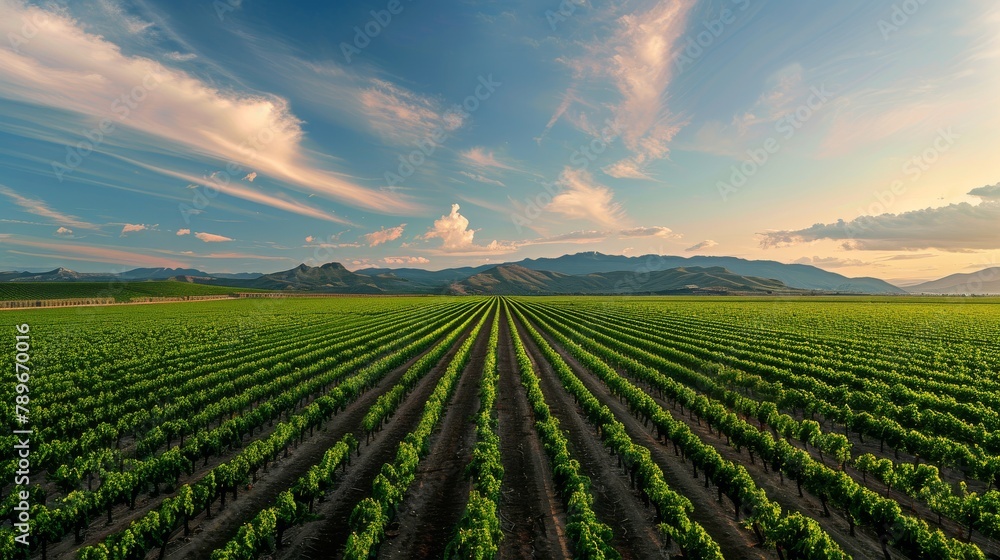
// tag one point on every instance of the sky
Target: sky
(859, 136)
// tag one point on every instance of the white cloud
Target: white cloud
(956, 228)
(481, 179)
(65, 67)
(40, 208)
(134, 228)
(832, 262)
(184, 231)
(128, 22)
(383, 235)
(212, 238)
(453, 231)
(250, 176)
(64, 232)
(456, 237)
(638, 58)
(480, 157)
(405, 260)
(404, 117)
(649, 231)
(178, 57)
(583, 199)
(706, 244)
(625, 169)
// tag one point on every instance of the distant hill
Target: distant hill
(330, 277)
(512, 279)
(801, 276)
(333, 277)
(984, 282)
(57, 275)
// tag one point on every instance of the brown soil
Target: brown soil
(325, 538)
(615, 503)
(864, 545)
(436, 499)
(532, 515)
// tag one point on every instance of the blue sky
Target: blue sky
(859, 136)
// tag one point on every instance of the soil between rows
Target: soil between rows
(325, 538)
(436, 499)
(910, 506)
(615, 503)
(864, 545)
(214, 533)
(532, 515)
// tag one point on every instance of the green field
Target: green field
(121, 291)
(457, 427)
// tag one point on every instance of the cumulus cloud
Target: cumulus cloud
(583, 199)
(64, 232)
(184, 231)
(310, 239)
(960, 227)
(212, 238)
(133, 228)
(456, 237)
(250, 176)
(453, 231)
(405, 260)
(481, 179)
(384, 235)
(67, 68)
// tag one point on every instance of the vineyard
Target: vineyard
(119, 291)
(476, 427)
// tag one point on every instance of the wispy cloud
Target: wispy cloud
(649, 231)
(832, 262)
(404, 117)
(706, 244)
(51, 70)
(638, 59)
(212, 238)
(581, 198)
(40, 208)
(96, 254)
(483, 158)
(481, 179)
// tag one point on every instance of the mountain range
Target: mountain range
(588, 272)
(986, 281)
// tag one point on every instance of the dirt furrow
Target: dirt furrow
(615, 503)
(216, 532)
(436, 499)
(864, 545)
(531, 513)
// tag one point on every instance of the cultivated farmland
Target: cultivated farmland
(475, 427)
